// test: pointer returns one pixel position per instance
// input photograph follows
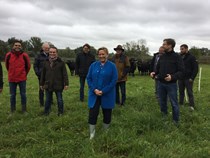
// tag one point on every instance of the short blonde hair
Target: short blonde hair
(104, 49)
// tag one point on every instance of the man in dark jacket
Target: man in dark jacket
(54, 78)
(1, 78)
(191, 70)
(169, 69)
(153, 66)
(83, 62)
(38, 66)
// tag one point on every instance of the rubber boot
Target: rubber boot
(92, 131)
(106, 126)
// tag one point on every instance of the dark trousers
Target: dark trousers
(82, 86)
(156, 91)
(48, 101)
(169, 90)
(189, 86)
(121, 86)
(13, 89)
(41, 95)
(93, 113)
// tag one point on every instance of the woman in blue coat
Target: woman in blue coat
(101, 79)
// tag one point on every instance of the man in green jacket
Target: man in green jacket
(54, 78)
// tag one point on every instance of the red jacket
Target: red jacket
(18, 66)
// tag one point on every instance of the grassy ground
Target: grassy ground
(137, 130)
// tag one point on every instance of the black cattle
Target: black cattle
(144, 67)
(132, 66)
(71, 65)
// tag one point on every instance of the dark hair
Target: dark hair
(86, 45)
(54, 48)
(185, 46)
(170, 41)
(17, 41)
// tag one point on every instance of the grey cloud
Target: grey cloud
(73, 22)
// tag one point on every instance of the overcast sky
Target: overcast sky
(71, 23)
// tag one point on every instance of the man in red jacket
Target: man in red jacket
(18, 65)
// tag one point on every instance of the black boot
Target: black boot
(23, 108)
(13, 108)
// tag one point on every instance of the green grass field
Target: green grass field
(137, 129)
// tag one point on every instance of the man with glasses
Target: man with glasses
(38, 67)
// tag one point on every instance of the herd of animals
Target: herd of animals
(143, 67)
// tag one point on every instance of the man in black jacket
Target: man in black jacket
(1, 78)
(38, 67)
(83, 62)
(169, 69)
(191, 70)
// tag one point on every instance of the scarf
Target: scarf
(52, 61)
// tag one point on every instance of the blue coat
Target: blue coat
(103, 78)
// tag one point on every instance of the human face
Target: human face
(102, 56)
(166, 46)
(53, 53)
(161, 50)
(45, 48)
(86, 49)
(119, 51)
(17, 46)
(183, 50)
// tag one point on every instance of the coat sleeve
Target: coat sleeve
(77, 65)
(42, 79)
(113, 81)
(36, 66)
(7, 61)
(90, 83)
(194, 67)
(127, 66)
(180, 69)
(28, 64)
(1, 77)
(65, 75)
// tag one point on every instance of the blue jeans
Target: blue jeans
(48, 101)
(82, 86)
(169, 90)
(13, 89)
(120, 86)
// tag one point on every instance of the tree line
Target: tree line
(134, 49)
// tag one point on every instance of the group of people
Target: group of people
(169, 67)
(105, 78)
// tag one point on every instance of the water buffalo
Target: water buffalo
(144, 67)
(132, 66)
(71, 65)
